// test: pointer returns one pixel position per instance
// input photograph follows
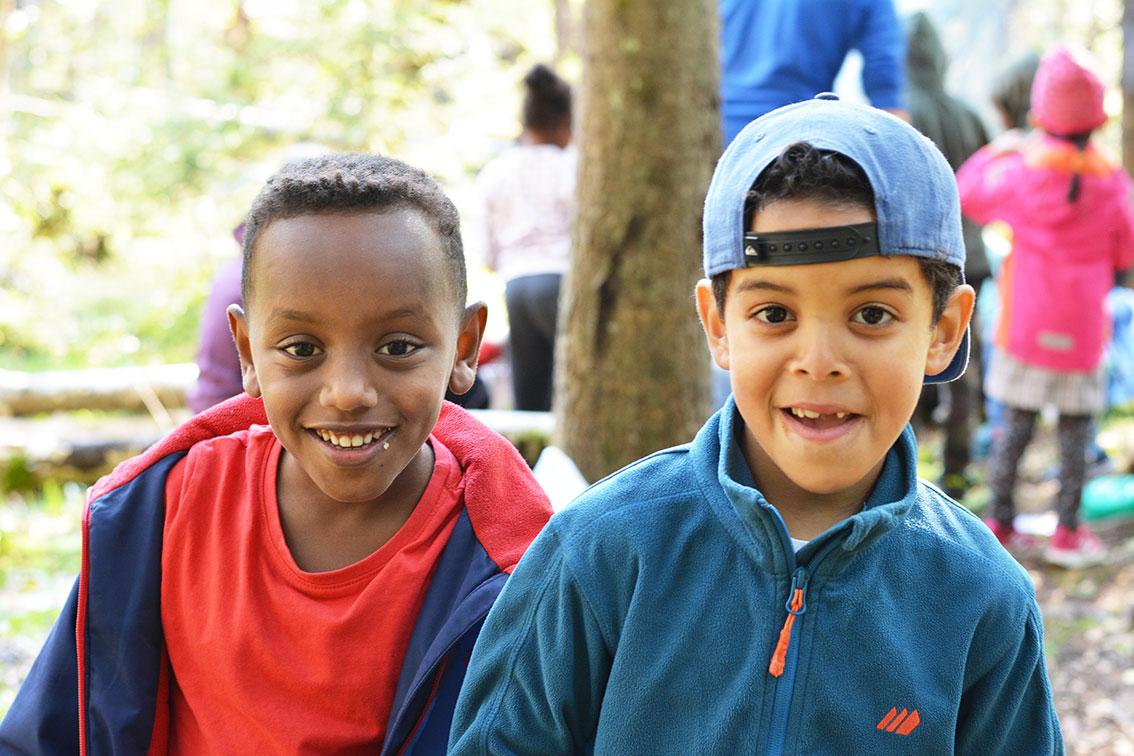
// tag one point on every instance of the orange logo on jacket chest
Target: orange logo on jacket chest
(900, 722)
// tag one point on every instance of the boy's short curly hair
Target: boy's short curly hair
(805, 172)
(355, 183)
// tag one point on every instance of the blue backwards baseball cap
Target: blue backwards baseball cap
(915, 195)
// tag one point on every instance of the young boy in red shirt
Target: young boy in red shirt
(313, 585)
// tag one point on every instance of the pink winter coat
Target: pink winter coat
(1064, 254)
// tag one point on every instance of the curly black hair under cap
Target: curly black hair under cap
(347, 182)
(805, 172)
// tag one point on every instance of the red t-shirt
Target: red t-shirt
(267, 658)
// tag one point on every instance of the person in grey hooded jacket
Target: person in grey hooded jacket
(958, 132)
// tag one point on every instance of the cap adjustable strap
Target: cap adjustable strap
(812, 245)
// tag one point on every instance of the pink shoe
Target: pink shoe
(1075, 548)
(1015, 542)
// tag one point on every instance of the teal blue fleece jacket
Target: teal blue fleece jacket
(645, 618)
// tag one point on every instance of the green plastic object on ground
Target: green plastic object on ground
(1109, 496)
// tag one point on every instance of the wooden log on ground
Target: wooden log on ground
(153, 389)
(63, 446)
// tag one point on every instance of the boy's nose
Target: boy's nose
(819, 355)
(348, 387)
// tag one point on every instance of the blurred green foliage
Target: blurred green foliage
(134, 134)
(16, 477)
(40, 542)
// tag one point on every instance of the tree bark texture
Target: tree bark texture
(632, 366)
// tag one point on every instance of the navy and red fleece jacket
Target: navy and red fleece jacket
(101, 683)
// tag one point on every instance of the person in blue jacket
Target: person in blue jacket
(303, 568)
(776, 52)
(785, 583)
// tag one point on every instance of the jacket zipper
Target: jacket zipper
(784, 658)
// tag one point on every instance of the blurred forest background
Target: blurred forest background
(136, 133)
(133, 135)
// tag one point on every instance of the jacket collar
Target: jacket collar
(736, 497)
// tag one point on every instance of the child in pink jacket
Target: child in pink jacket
(1073, 229)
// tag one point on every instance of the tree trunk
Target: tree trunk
(632, 364)
(566, 30)
(1128, 85)
(6, 8)
(154, 45)
(239, 29)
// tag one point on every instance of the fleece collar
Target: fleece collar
(888, 503)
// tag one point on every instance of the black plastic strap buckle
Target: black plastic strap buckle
(812, 245)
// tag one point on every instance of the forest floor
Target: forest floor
(1088, 613)
(1089, 639)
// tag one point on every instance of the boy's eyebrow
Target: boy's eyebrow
(300, 315)
(900, 284)
(291, 314)
(758, 284)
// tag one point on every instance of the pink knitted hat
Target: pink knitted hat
(1067, 96)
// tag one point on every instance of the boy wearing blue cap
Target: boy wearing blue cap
(785, 583)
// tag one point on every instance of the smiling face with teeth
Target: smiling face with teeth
(351, 337)
(826, 363)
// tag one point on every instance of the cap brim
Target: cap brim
(957, 367)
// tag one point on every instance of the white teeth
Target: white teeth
(345, 441)
(799, 412)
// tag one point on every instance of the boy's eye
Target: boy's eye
(873, 315)
(302, 349)
(398, 348)
(773, 314)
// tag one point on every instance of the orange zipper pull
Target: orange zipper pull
(794, 609)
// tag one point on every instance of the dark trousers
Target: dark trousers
(964, 398)
(533, 312)
(1075, 432)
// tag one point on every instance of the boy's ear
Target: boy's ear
(713, 322)
(238, 324)
(950, 329)
(468, 348)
